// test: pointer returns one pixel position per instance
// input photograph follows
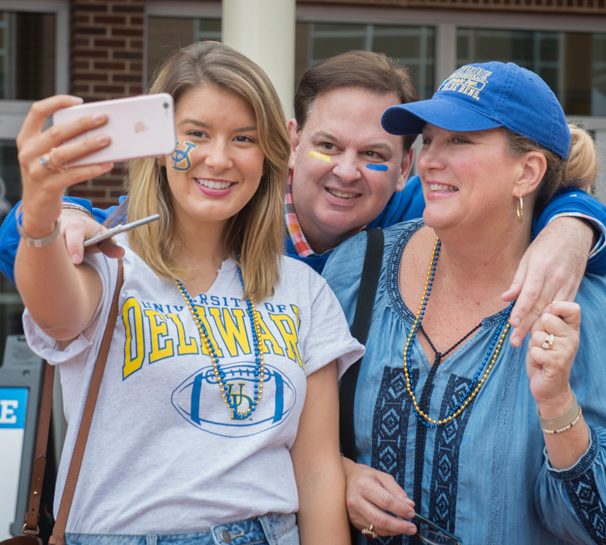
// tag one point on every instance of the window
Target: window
(579, 81)
(412, 46)
(166, 34)
(27, 55)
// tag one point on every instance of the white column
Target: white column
(264, 31)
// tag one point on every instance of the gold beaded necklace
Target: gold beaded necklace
(219, 373)
(481, 374)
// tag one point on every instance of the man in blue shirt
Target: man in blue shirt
(347, 174)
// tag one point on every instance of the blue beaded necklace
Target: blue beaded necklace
(259, 371)
(480, 376)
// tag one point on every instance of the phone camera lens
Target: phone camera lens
(165, 105)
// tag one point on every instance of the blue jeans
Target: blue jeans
(269, 529)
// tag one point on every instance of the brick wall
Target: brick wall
(106, 61)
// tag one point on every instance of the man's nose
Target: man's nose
(347, 167)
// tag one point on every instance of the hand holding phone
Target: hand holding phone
(121, 228)
(141, 126)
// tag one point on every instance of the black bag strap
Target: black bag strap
(359, 329)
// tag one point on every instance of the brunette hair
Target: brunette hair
(254, 236)
(368, 70)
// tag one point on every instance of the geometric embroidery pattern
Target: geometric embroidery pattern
(445, 472)
(391, 419)
(588, 506)
(389, 431)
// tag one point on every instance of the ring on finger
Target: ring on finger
(46, 162)
(369, 532)
(548, 342)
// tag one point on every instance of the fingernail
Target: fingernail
(76, 259)
(102, 139)
(97, 118)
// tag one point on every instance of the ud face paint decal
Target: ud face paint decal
(181, 156)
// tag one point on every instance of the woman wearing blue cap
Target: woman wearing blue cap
(460, 436)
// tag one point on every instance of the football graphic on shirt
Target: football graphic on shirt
(198, 400)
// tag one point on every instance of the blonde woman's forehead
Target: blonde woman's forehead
(210, 103)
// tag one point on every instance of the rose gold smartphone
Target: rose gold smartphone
(141, 126)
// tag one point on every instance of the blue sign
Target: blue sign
(13, 407)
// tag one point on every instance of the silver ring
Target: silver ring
(45, 161)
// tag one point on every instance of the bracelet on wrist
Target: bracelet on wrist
(570, 418)
(31, 241)
(38, 242)
(66, 205)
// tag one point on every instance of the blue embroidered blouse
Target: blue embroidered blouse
(483, 476)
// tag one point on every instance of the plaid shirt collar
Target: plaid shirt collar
(293, 226)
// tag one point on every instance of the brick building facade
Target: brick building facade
(106, 59)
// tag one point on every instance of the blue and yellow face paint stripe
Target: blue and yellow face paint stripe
(320, 156)
(377, 166)
(181, 157)
(380, 167)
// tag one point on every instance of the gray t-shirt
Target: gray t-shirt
(164, 454)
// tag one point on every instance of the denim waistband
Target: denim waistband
(266, 529)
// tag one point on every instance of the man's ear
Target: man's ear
(532, 169)
(405, 168)
(293, 135)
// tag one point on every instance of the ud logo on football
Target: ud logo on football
(191, 400)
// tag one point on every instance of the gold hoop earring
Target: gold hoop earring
(520, 208)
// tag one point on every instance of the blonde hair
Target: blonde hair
(579, 170)
(254, 236)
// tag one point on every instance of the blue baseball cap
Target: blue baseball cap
(488, 95)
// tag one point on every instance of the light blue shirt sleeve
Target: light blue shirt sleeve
(571, 502)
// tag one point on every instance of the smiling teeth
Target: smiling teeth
(341, 194)
(441, 187)
(211, 184)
